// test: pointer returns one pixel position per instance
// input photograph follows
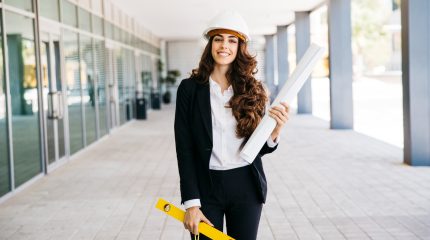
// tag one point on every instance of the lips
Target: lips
(223, 54)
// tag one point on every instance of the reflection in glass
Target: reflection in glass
(23, 4)
(51, 74)
(23, 90)
(100, 52)
(97, 25)
(59, 86)
(73, 84)
(49, 9)
(120, 80)
(130, 85)
(69, 13)
(4, 163)
(46, 74)
(84, 19)
(87, 81)
(146, 78)
(116, 33)
(109, 29)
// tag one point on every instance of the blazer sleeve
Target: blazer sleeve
(266, 149)
(184, 144)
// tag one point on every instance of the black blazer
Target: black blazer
(193, 138)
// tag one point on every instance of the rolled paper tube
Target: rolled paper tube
(290, 90)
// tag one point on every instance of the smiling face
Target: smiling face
(224, 48)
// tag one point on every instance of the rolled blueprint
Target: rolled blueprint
(288, 92)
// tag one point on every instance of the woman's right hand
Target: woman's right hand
(193, 216)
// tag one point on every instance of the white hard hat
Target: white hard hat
(229, 20)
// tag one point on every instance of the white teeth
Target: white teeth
(223, 54)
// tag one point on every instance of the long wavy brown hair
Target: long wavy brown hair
(250, 97)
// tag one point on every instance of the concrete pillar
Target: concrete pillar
(303, 38)
(416, 81)
(339, 28)
(282, 46)
(270, 65)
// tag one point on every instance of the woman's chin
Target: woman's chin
(223, 61)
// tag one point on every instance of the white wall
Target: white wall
(184, 56)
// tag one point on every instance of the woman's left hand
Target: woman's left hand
(280, 114)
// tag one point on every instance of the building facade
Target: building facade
(71, 71)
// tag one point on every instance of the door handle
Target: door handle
(55, 105)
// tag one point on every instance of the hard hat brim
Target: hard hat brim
(241, 35)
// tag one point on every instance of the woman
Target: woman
(217, 110)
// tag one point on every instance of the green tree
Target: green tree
(370, 41)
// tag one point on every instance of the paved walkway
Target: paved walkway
(323, 184)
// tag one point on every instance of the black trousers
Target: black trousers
(234, 195)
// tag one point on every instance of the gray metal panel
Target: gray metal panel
(416, 81)
(339, 25)
(42, 124)
(269, 61)
(282, 46)
(8, 101)
(303, 39)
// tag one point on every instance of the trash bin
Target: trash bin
(128, 109)
(155, 100)
(141, 108)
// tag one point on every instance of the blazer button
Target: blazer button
(208, 149)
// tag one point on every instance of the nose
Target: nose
(224, 43)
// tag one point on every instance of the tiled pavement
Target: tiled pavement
(323, 184)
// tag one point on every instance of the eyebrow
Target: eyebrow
(231, 36)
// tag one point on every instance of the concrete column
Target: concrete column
(339, 28)
(303, 39)
(282, 46)
(416, 81)
(270, 65)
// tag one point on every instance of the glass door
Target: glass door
(52, 97)
(113, 89)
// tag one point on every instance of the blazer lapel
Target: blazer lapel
(203, 98)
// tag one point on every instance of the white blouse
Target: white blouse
(225, 151)
(226, 145)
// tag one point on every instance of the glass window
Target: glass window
(73, 84)
(126, 37)
(97, 25)
(109, 30)
(23, 4)
(88, 87)
(51, 80)
(50, 9)
(116, 33)
(4, 161)
(97, 6)
(46, 63)
(120, 80)
(146, 78)
(130, 85)
(120, 35)
(23, 91)
(84, 20)
(99, 51)
(69, 13)
(61, 135)
(133, 40)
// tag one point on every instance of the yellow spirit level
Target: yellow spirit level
(179, 214)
